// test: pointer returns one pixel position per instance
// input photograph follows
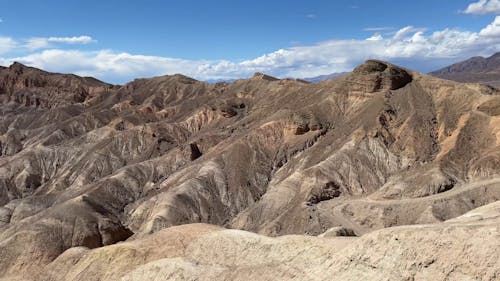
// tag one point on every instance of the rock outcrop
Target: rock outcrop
(374, 76)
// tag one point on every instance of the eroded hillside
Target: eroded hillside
(84, 164)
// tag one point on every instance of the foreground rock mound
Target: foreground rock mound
(465, 248)
(85, 165)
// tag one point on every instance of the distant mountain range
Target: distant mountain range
(324, 77)
(476, 69)
(213, 81)
(310, 79)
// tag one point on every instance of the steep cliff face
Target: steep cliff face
(90, 164)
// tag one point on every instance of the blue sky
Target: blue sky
(119, 40)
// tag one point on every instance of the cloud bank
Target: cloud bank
(407, 44)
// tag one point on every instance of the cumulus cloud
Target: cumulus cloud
(103, 63)
(483, 7)
(405, 31)
(409, 44)
(492, 30)
(6, 44)
(45, 42)
(375, 37)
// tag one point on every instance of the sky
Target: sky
(117, 41)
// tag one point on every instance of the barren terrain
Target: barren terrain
(383, 173)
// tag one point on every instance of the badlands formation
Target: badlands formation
(381, 174)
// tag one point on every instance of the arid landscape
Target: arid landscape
(383, 173)
(283, 140)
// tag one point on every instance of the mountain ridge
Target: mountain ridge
(476, 69)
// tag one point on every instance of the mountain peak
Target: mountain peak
(17, 64)
(183, 78)
(18, 67)
(262, 76)
(34, 87)
(375, 75)
(371, 66)
(495, 55)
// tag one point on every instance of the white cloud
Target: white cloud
(405, 31)
(6, 44)
(1, 20)
(483, 7)
(37, 43)
(311, 16)
(45, 42)
(492, 30)
(72, 40)
(106, 63)
(408, 44)
(375, 37)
